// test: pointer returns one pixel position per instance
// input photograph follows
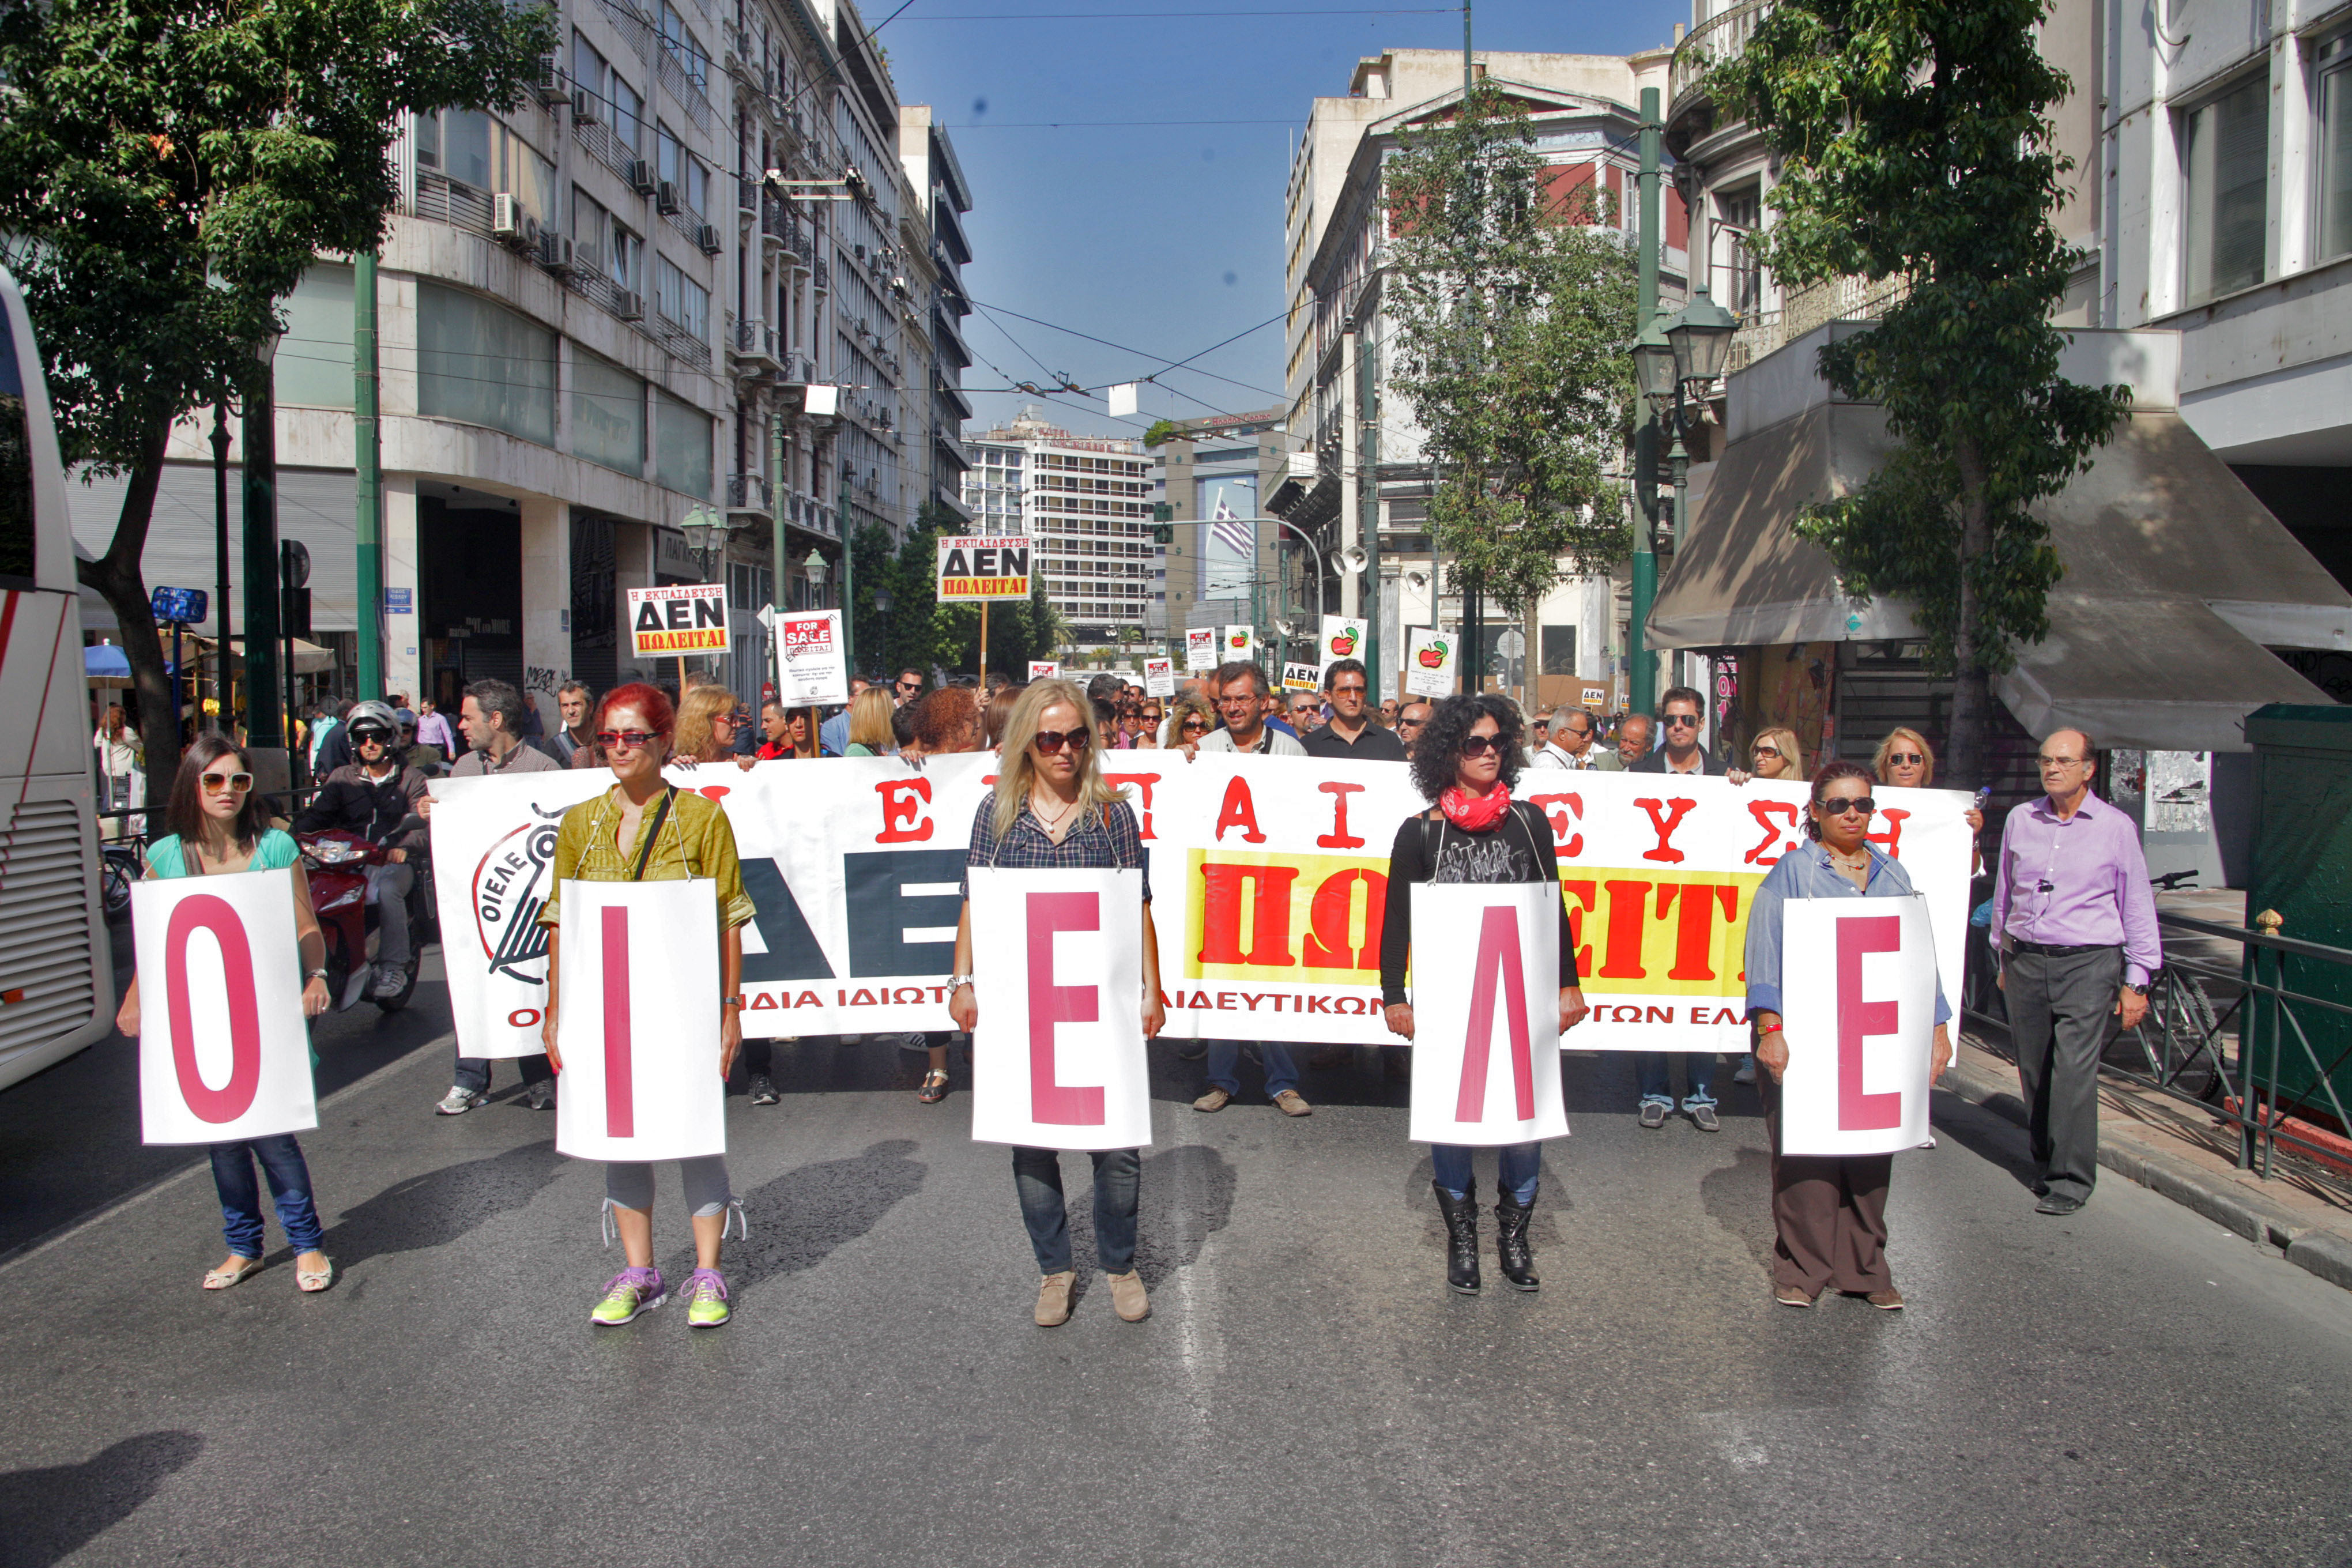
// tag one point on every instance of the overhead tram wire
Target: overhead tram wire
(1184, 15)
(1166, 363)
(1065, 384)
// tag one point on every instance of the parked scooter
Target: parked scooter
(338, 863)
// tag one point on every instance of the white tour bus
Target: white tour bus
(57, 984)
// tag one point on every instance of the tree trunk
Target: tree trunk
(117, 575)
(1965, 760)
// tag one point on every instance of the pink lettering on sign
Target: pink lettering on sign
(1499, 964)
(1858, 1019)
(1052, 1102)
(203, 911)
(620, 1087)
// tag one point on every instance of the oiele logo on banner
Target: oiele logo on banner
(510, 885)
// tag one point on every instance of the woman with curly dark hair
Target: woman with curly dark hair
(1830, 1214)
(1466, 761)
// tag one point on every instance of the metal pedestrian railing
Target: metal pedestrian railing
(2248, 1041)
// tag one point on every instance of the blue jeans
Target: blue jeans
(1224, 1066)
(1656, 1071)
(1517, 1167)
(240, 1194)
(1118, 1178)
(474, 1072)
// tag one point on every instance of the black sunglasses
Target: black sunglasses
(1191, 724)
(1051, 741)
(1479, 745)
(1844, 807)
(1681, 721)
(1905, 759)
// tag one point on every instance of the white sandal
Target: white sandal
(222, 1279)
(310, 1282)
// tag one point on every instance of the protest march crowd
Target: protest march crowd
(2070, 912)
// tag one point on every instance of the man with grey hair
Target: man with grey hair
(492, 717)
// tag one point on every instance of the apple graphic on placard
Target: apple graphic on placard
(1433, 657)
(1239, 639)
(1344, 645)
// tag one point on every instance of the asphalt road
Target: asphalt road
(2129, 1386)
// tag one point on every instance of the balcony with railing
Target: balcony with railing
(752, 349)
(1723, 36)
(1802, 309)
(748, 493)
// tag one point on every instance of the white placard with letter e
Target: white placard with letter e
(1057, 966)
(1485, 1013)
(638, 1024)
(223, 1051)
(1858, 1004)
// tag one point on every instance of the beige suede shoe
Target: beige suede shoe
(1054, 1298)
(1128, 1298)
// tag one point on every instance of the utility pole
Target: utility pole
(367, 517)
(1473, 662)
(222, 704)
(264, 726)
(1641, 670)
(1368, 502)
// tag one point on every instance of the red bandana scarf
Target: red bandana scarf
(1475, 814)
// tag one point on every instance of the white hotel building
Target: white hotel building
(1087, 503)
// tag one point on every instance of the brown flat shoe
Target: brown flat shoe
(1887, 1300)
(1128, 1298)
(1290, 1103)
(1792, 1296)
(1215, 1100)
(1054, 1298)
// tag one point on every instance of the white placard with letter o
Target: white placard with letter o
(224, 1049)
(1485, 1013)
(1057, 966)
(638, 1024)
(1858, 1006)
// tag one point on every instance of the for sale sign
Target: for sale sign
(972, 568)
(1201, 653)
(690, 618)
(810, 668)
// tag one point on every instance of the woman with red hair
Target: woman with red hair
(643, 830)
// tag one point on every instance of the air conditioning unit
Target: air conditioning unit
(665, 197)
(583, 106)
(507, 219)
(548, 81)
(641, 176)
(628, 306)
(555, 252)
(707, 239)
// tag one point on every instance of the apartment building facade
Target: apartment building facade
(1371, 480)
(687, 282)
(1086, 504)
(1224, 557)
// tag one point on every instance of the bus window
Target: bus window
(15, 463)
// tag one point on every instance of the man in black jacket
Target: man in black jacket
(369, 798)
(1680, 712)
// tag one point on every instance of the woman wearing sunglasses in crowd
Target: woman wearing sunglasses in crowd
(1830, 1214)
(684, 836)
(216, 825)
(1190, 719)
(1152, 714)
(1051, 808)
(1905, 760)
(707, 723)
(1777, 754)
(1467, 760)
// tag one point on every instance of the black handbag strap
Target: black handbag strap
(653, 831)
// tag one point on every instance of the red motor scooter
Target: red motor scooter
(337, 863)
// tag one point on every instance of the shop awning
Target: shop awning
(2177, 580)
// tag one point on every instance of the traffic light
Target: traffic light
(1163, 526)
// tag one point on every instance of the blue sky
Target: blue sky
(1163, 237)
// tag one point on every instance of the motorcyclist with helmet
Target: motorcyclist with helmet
(369, 798)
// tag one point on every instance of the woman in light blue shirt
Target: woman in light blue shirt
(1831, 1214)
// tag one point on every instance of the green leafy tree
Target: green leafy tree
(1512, 308)
(920, 632)
(1161, 430)
(166, 172)
(1916, 143)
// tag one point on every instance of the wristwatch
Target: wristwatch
(316, 974)
(956, 981)
(734, 1001)
(2135, 990)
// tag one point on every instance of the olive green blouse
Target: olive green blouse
(696, 840)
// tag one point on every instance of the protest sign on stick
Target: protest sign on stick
(1858, 988)
(638, 1022)
(1057, 965)
(1201, 654)
(224, 1049)
(1486, 1010)
(1159, 678)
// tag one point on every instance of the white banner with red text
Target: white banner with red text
(1057, 975)
(1270, 876)
(1858, 998)
(223, 1051)
(1485, 1013)
(638, 1027)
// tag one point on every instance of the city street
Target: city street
(2129, 1386)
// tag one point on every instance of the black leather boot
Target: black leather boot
(1461, 1238)
(1511, 1243)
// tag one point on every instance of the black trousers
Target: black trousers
(2060, 1007)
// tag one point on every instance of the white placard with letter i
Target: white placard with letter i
(1058, 967)
(224, 1049)
(1485, 1013)
(637, 1022)
(1858, 1007)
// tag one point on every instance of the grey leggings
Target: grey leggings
(629, 1184)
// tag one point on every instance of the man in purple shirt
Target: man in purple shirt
(2074, 925)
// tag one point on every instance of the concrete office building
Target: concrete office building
(1214, 474)
(600, 320)
(1370, 477)
(1086, 503)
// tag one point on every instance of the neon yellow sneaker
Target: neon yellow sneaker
(628, 1296)
(705, 1299)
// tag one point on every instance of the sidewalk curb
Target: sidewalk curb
(2262, 1220)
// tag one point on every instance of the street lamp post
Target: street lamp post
(263, 723)
(222, 706)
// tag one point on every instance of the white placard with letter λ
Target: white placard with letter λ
(1057, 966)
(638, 1025)
(1485, 1013)
(223, 1051)
(810, 668)
(1858, 1004)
